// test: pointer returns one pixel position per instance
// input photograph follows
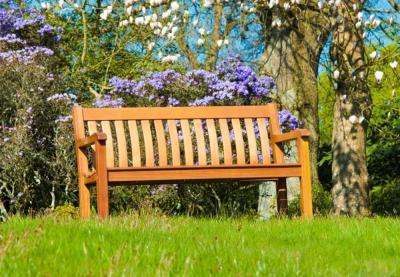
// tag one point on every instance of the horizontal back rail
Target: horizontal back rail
(166, 113)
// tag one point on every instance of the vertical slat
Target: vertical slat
(162, 146)
(275, 129)
(238, 141)
(105, 126)
(201, 146)
(92, 128)
(251, 138)
(135, 144)
(264, 141)
(82, 162)
(173, 134)
(226, 141)
(187, 142)
(121, 141)
(212, 136)
(148, 143)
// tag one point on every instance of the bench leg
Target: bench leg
(84, 199)
(281, 196)
(102, 180)
(305, 179)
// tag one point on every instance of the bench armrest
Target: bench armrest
(298, 133)
(90, 140)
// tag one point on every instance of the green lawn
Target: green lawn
(151, 245)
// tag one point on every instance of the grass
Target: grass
(181, 246)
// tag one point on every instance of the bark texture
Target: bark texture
(349, 168)
(292, 57)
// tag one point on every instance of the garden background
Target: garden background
(55, 55)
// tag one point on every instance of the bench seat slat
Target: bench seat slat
(203, 173)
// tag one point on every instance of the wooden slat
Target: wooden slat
(198, 173)
(237, 129)
(92, 128)
(275, 129)
(135, 143)
(177, 113)
(264, 141)
(212, 136)
(121, 140)
(251, 138)
(106, 128)
(162, 145)
(148, 143)
(201, 146)
(187, 142)
(173, 134)
(226, 141)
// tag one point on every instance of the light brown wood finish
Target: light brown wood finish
(102, 179)
(275, 129)
(121, 142)
(251, 138)
(212, 137)
(82, 162)
(166, 113)
(148, 143)
(135, 143)
(237, 129)
(266, 155)
(162, 145)
(187, 142)
(106, 128)
(173, 135)
(193, 171)
(226, 141)
(305, 178)
(201, 145)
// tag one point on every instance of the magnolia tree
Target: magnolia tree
(297, 33)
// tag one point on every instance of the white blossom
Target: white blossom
(378, 76)
(353, 119)
(394, 64)
(174, 6)
(200, 41)
(336, 74)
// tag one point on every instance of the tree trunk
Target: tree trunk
(292, 57)
(353, 103)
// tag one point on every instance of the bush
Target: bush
(385, 198)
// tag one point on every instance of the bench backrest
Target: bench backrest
(182, 136)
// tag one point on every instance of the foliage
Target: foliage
(322, 202)
(32, 111)
(385, 198)
(181, 246)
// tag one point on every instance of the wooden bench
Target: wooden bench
(185, 144)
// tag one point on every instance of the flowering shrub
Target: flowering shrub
(232, 83)
(35, 146)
